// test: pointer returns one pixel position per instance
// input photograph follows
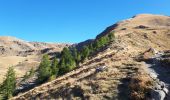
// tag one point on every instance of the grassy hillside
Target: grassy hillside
(123, 76)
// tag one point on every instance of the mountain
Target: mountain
(13, 46)
(23, 55)
(123, 69)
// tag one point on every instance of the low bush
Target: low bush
(140, 87)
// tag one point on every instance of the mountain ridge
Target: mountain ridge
(139, 18)
(133, 37)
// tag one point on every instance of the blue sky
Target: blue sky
(69, 20)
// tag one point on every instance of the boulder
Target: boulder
(158, 95)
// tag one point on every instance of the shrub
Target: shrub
(28, 74)
(140, 87)
(53, 77)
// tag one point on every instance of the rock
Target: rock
(153, 75)
(145, 36)
(154, 32)
(166, 90)
(141, 27)
(101, 68)
(158, 95)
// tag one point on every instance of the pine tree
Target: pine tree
(28, 74)
(111, 37)
(44, 71)
(67, 62)
(76, 55)
(54, 67)
(85, 52)
(62, 67)
(79, 57)
(91, 48)
(31, 72)
(9, 84)
(97, 44)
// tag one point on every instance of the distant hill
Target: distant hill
(13, 46)
(23, 54)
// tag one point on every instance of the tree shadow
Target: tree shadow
(162, 70)
(123, 89)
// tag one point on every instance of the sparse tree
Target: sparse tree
(91, 48)
(44, 71)
(85, 52)
(67, 62)
(54, 67)
(62, 67)
(111, 37)
(79, 57)
(7, 88)
(28, 74)
(76, 55)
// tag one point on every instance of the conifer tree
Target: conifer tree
(62, 67)
(67, 62)
(111, 36)
(85, 52)
(54, 67)
(44, 71)
(76, 55)
(28, 74)
(91, 48)
(8, 86)
(79, 57)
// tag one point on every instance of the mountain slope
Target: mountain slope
(23, 55)
(133, 37)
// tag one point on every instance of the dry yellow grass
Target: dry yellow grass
(23, 55)
(140, 87)
(21, 64)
